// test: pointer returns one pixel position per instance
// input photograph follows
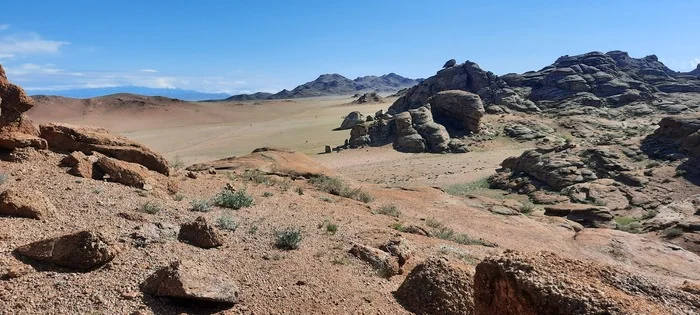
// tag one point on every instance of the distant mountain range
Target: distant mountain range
(187, 95)
(336, 84)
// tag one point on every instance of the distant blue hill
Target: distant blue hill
(187, 95)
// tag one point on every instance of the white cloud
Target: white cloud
(28, 44)
(148, 70)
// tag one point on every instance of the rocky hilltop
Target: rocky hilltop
(336, 84)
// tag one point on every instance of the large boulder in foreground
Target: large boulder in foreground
(544, 283)
(184, 280)
(459, 109)
(88, 139)
(277, 161)
(26, 203)
(83, 250)
(438, 286)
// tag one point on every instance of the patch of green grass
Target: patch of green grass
(389, 210)
(468, 188)
(674, 232)
(201, 205)
(343, 261)
(226, 223)
(150, 207)
(288, 239)
(331, 228)
(267, 194)
(398, 226)
(233, 199)
(629, 224)
(335, 186)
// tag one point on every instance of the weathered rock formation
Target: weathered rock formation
(88, 139)
(16, 129)
(438, 286)
(544, 283)
(384, 263)
(185, 280)
(199, 233)
(25, 204)
(352, 120)
(82, 250)
(369, 98)
(676, 138)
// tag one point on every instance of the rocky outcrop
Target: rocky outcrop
(586, 215)
(82, 250)
(351, 120)
(676, 137)
(384, 263)
(189, 281)
(16, 129)
(544, 283)
(460, 110)
(25, 203)
(129, 174)
(276, 161)
(438, 286)
(199, 233)
(88, 139)
(557, 170)
(369, 98)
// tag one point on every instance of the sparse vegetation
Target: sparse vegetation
(335, 186)
(674, 232)
(177, 163)
(267, 194)
(150, 207)
(201, 205)
(444, 233)
(441, 231)
(299, 190)
(681, 172)
(398, 226)
(465, 239)
(629, 224)
(285, 184)
(331, 228)
(527, 207)
(389, 210)
(468, 188)
(433, 223)
(600, 202)
(258, 177)
(179, 197)
(233, 199)
(253, 229)
(96, 191)
(653, 164)
(650, 214)
(326, 199)
(288, 239)
(226, 223)
(343, 261)
(3, 178)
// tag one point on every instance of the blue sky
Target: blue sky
(243, 46)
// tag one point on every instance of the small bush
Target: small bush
(335, 186)
(253, 229)
(398, 226)
(3, 178)
(468, 188)
(444, 233)
(285, 184)
(431, 222)
(226, 223)
(653, 164)
(150, 207)
(326, 199)
(177, 163)
(343, 261)
(464, 239)
(527, 208)
(233, 199)
(389, 210)
(257, 176)
(201, 205)
(178, 197)
(331, 228)
(299, 190)
(267, 194)
(288, 239)
(674, 232)
(681, 172)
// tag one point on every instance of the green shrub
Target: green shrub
(468, 188)
(253, 229)
(288, 239)
(464, 239)
(343, 261)
(681, 172)
(331, 228)
(226, 223)
(201, 205)
(335, 186)
(444, 233)
(267, 194)
(326, 199)
(178, 197)
(431, 222)
(674, 232)
(527, 208)
(233, 199)
(299, 190)
(257, 176)
(389, 210)
(398, 226)
(150, 207)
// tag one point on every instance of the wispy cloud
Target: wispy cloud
(148, 70)
(4, 27)
(22, 44)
